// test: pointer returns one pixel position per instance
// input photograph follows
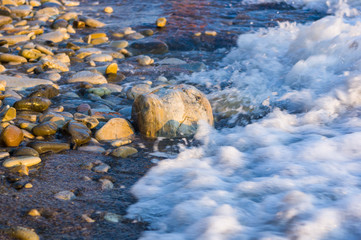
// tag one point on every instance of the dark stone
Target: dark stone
(26, 151)
(149, 46)
(3, 42)
(37, 104)
(44, 147)
(45, 91)
(60, 23)
(79, 133)
(4, 49)
(4, 11)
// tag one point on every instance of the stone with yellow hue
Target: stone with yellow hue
(171, 111)
(7, 114)
(22, 233)
(34, 213)
(22, 160)
(108, 9)
(124, 151)
(12, 58)
(21, 169)
(28, 185)
(12, 136)
(115, 128)
(210, 33)
(161, 22)
(112, 68)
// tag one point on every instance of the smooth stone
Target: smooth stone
(147, 32)
(108, 9)
(145, 60)
(22, 160)
(44, 50)
(45, 129)
(31, 53)
(115, 128)
(100, 58)
(4, 155)
(12, 136)
(56, 36)
(210, 33)
(69, 16)
(124, 151)
(5, 20)
(26, 151)
(22, 233)
(44, 147)
(71, 3)
(21, 83)
(120, 142)
(171, 111)
(137, 90)
(7, 114)
(59, 23)
(49, 11)
(28, 134)
(83, 108)
(96, 149)
(119, 44)
(161, 22)
(21, 11)
(85, 52)
(91, 22)
(146, 46)
(4, 57)
(54, 64)
(89, 121)
(171, 61)
(134, 36)
(101, 91)
(35, 3)
(47, 91)
(14, 39)
(79, 133)
(89, 77)
(34, 213)
(37, 104)
(112, 68)
(65, 195)
(98, 41)
(106, 184)
(101, 168)
(4, 11)
(112, 217)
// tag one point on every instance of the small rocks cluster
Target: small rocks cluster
(61, 88)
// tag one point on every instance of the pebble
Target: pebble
(161, 22)
(119, 44)
(89, 77)
(120, 142)
(95, 149)
(124, 151)
(87, 218)
(145, 60)
(21, 83)
(112, 217)
(34, 213)
(108, 9)
(22, 160)
(65, 195)
(4, 155)
(12, 136)
(7, 114)
(106, 184)
(115, 128)
(210, 33)
(5, 57)
(22, 233)
(101, 168)
(112, 68)
(100, 58)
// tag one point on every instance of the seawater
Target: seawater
(294, 172)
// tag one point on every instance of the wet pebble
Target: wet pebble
(65, 195)
(22, 160)
(124, 151)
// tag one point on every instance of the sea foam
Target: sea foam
(293, 174)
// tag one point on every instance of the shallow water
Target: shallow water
(285, 162)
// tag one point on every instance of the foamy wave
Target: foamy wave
(294, 174)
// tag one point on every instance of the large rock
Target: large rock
(116, 128)
(89, 77)
(171, 111)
